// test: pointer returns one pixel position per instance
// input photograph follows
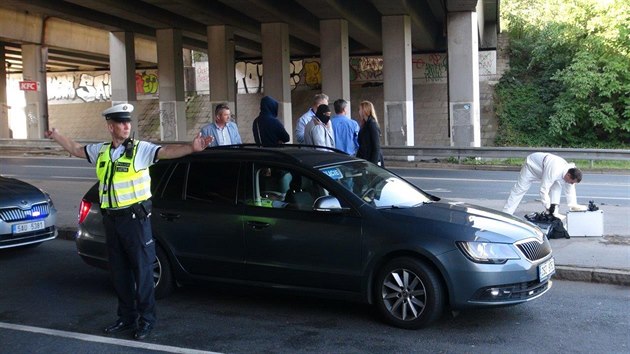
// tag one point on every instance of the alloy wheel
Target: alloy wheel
(404, 294)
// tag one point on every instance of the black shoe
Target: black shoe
(119, 326)
(143, 331)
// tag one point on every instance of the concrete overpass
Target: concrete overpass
(121, 36)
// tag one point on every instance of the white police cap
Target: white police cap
(119, 112)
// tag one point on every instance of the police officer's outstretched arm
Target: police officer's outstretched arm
(71, 146)
(178, 150)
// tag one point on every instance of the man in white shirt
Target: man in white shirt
(318, 100)
(554, 174)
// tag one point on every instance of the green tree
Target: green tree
(569, 80)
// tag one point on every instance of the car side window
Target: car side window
(280, 187)
(213, 182)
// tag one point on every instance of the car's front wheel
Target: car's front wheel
(162, 274)
(409, 293)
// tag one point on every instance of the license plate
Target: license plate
(546, 269)
(28, 227)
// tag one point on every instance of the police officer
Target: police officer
(122, 168)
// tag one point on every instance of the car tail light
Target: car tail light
(84, 208)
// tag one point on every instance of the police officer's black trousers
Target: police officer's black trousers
(131, 250)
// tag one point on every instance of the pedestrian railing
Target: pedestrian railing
(419, 153)
(392, 153)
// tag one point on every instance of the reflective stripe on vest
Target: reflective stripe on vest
(119, 184)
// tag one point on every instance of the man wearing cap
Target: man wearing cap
(319, 130)
(122, 168)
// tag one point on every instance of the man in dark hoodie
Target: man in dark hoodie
(268, 131)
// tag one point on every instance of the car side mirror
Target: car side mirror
(328, 203)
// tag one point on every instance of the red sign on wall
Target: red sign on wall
(29, 85)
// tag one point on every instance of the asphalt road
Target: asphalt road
(51, 302)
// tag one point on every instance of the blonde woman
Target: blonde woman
(369, 141)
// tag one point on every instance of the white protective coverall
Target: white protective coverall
(550, 170)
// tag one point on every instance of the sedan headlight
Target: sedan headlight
(487, 252)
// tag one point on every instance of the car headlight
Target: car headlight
(487, 252)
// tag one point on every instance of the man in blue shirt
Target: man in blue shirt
(224, 131)
(346, 130)
(318, 100)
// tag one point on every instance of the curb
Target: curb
(593, 275)
(563, 272)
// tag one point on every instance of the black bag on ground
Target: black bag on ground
(546, 221)
(557, 230)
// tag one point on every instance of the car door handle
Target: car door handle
(169, 216)
(258, 225)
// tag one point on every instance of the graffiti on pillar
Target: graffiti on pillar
(365, 69)
(430, 67)
(167, 121)
(146, 83)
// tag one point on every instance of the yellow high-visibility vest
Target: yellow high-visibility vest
(120, 185)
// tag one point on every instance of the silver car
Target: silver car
(27, 214)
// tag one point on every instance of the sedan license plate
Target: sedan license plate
(28, 227)
(546, 269)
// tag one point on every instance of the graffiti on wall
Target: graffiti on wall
(430, 67)
(365, 69)
(96, 86)
(146, 83)
(93, 87)
(249, 75)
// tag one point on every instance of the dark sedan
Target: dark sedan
(330, 224)
(27, 214)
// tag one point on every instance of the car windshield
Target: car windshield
(376, 186)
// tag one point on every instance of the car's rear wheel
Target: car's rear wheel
(162, 274)
(409, 293)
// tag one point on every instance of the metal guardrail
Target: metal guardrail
(418, 153)
(397, 153)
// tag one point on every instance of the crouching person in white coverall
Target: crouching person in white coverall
(554, 174)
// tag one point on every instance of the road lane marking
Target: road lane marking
(510, 181)
(91, 167)
(30, 178)
(103, 340)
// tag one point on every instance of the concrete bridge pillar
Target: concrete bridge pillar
(34, 69)
(171, 85)
(275, 56)
(122, 65)
(4, 112)
(397, 77)
(221, 67)
(463, 79)
(335, 60)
